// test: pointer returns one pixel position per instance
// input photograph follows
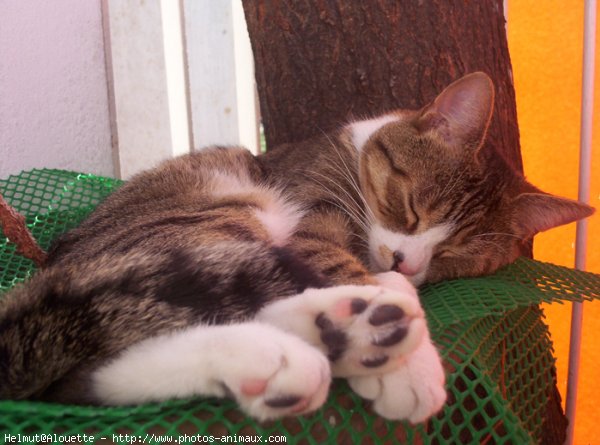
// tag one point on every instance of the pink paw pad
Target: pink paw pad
(348, 307)
(253, 387)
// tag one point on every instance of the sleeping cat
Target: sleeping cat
(259, 278)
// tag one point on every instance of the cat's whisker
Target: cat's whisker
(352, 217)
(365, 207)
(339, 203)
(347, 173)
(356, 208)
(357, 213)
(453, 182)
(363, 241)
(497, 245)
(351, 180)
(497, 234)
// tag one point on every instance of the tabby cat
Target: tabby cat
(259, 278)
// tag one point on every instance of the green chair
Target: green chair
(497, 353)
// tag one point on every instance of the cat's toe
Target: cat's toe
(290, 378)
(398, 282)
(414, 391)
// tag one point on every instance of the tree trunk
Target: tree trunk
(321, 63)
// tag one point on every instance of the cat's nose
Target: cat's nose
(398, 258)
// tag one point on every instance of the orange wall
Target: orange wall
(545, 42)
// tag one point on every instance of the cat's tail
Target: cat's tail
(65, 319)
(42, 334)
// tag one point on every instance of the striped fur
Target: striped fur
(215, 236)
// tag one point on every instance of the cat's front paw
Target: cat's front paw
(362, 329)
(283, 376)
(398, 282)
(367, 328)
(414, 391)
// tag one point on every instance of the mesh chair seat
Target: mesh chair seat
(496, 349)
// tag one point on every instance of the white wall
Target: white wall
(53, 93)
(160, 110)
(148, 81)
(221, 74)
(79, 76)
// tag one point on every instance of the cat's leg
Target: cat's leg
(323, 240)
(364, 330)
(270, 373)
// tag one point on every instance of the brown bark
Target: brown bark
(321, 63)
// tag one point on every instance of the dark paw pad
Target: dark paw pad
(385, 313)
(393, 338)
(283, 401)
(334, 339)
(358, 306)
(374, 362)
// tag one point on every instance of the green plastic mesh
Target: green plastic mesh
(496, 350)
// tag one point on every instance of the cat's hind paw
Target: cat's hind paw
(368, 330)
(414, 391)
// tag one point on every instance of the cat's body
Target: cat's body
(219, 273)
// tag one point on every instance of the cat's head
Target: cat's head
(441, 209)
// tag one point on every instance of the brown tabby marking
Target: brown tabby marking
(215, 236)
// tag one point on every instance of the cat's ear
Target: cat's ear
(536, 212)
(461, 114)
